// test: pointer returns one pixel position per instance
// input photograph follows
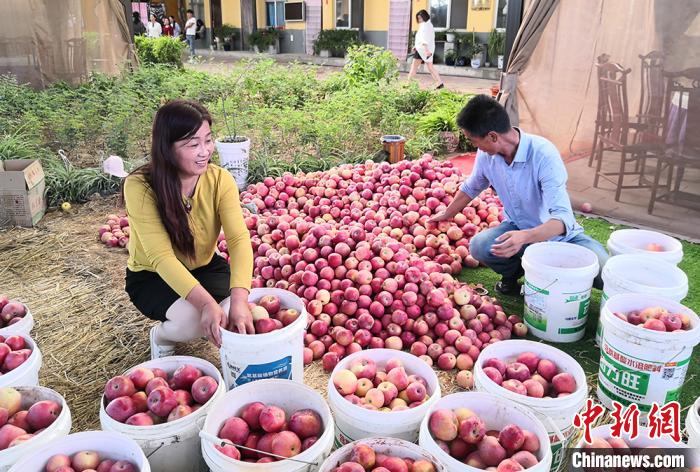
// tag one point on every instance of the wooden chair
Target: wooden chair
(682, 139)
(618, 134)
(651, 103)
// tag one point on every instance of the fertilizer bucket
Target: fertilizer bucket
(27, 374)
(286, 394)
(640, 273)
(556, 414)
(496, 412)
(59, 428)
(173, 445)
(639, 365)
(394, 147)
(234, 158)
(107, 444)
(637, 241)
(275, 355)
(558, 281)
(386, 446)
(353, 422)
(24, 326)
(692, 425)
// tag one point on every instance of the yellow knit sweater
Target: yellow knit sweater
(215, 203)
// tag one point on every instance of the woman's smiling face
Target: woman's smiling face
(192, 154)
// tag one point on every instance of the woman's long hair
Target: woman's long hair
(174, 121)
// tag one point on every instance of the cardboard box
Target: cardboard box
(22, 201)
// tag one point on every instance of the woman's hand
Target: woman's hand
(239, 318)
(213, 318)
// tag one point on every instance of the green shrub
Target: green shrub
(163, 50)
(337, 41)
(264, 38)
(368, 63)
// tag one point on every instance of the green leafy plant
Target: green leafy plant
(18, 145)
(227, 32)
(66, 183)
(263, 38)
(368, 63)
(163, 50)
(496, 45)
(450, 57)
(337, 41)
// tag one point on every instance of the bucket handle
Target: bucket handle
(162, 442)
(556, 429)
(534, 291)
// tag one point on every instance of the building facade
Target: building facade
(373, 19)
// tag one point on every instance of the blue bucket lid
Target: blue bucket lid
(392, 138)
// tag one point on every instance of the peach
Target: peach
(564, 383)
(140, 377)
(308, 442)
(375, 398)
(183, 397)
(140, 419)
(272, 419)
(416, 392)
(8, 433)
(491, 451)
(363, 386)
(351, 467)
(119, 386)
(105, 465)
(251, 414)
(474, 460)
(20, 439)
(178, 412)
(16, 343)
(288, 316)
(447, 361)
(19, 419)
(525, 459)
(161, 401)
(464, 362)
(398, 403)
(329, 361)
(85, 460)
(121, 408)
(204, 388)
(652, 312)
(57, 461)
(398, 377)
(270, 303)
(443, 424)
(42, 414)
(654, 324)
(184, 376)
(509, 465)
(393, 363)
(534, 388)
(155, 383)
(265, 442)
(672, 321)
(423, 465)
(472, 429)
(363, 455)
(259, 313)
(363, 368)
(459, 449)
(463, 413)
(465, 379)
(305, 423)
(394, 464)
(229, 451)
(286, 444)
(496, 363)
(140, 400)
(515, 386)
(389, 391)
(531, 442)
(518, 371)
(235, 429)
(494, 374)
(547, 369)
(511, 437)
(345, 381)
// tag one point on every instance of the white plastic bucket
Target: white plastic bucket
(107, 444)
(639, 273)
(692, 425)
(275, 355)
(353, 422)
(558, 281)
(556, 414)
(27, 374)
(234, 158)
(59, 428)
(174, 445)
(286, 394)
(634, 241)
(638, 365)
(496, 412)
(387, 446)
(21, 327)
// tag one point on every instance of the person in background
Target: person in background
(153, 28)
(139, 27)
(191, 32)
(167, 27)
(201, 33)
(529, 177)
(424, 48)
(177, 204)
(177, 31)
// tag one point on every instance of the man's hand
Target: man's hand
(213, 318)
(442, 216)
(240, 319)
(510, 243)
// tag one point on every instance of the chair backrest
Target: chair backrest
(682, 121)
(651, 103)
(612, 101)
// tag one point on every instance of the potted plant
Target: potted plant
(450, 57)
(226, 35)
(496, 47)
(462, 49)
(443, 122)
(265, 40)
(450, 35)
(234, 149)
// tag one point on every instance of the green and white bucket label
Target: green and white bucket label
(559, 448)
(629, 379)
(568, 311)
(535, 306)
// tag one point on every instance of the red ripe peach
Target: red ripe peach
(42, 414)
(161, 401)
(235, 429)
(57, 461)
(493, 374)
(345, 381)
(155, 383)
(140, 377)
(530, 359)
(251, 414)
(491, 451)
(465, 379)
(398, 377)
(518, 371)
(564, 383)
(184, 376)
(119, 386)
(306, 423)
(229, 451)
(286, 444)
(515, 386)
(525, 459)
(203, 389)
(272, 419)
(363, 455)
(509, 465)
(496, 363)
(547, 369)
(472, 429)
(531, 442)
(654, 324)
(121, 408)
(534, 388)
(443, 425)
(511, 437)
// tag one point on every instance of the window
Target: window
(274, 13)
(440, 13)
(348, 14)
(501, 13)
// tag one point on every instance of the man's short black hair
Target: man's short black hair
(423, 14)
(190, 11)
(481, 115)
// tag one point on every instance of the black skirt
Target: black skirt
(415, 55)
(152, 296)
